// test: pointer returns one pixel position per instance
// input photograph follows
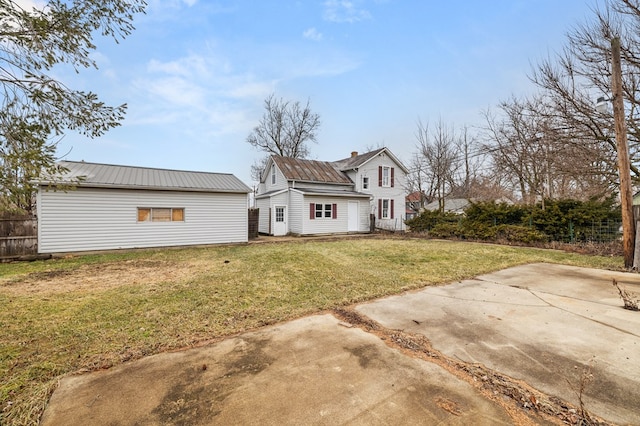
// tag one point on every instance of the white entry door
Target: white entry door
(352, 216)
(280, 220)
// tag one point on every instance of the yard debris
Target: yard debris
(496, 386)
(631, 300)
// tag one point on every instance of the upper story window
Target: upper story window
(385, 176)
(273, 175)
(365, 183)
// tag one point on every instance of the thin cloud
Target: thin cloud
(312, 34)
(342, 11)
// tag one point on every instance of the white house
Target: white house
(307, 197)
(121, 207)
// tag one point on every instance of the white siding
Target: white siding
(397, 192)
(263, 205)
(365, 210)
(296, 212)
(102, 219)
(281, 181)
(267, 204)
(333, 226)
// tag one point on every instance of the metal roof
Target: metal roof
(83, 174)
(310, 171)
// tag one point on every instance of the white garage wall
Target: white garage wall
(101, 219)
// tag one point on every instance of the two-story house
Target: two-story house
(307, 197)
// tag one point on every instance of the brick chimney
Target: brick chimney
(354, 154)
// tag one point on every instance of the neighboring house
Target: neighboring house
(123, 207)
(451, 205)
(307, 197)
(414, 203)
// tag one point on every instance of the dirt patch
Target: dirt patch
(98, 277)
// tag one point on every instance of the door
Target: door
(352, 216)
(280, 221)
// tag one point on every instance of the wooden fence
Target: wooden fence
(254, 214)
(18, 236)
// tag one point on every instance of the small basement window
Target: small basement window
(160, 214)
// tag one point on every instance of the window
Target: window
(385, 208)
(279, 214)
(273, 175)
(323, 211)
(385, 176)
(386, 171)
(365, 183)
(144, 214)
(160, 214)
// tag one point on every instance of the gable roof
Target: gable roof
(310, 170)
(97, 175)
(352, 163)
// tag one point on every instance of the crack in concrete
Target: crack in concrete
(525, 403)
(578, 314)
(547, 304)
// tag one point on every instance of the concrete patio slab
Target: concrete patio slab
(309, 371)
(551, 326)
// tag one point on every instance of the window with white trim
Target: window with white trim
(273, 175)
(160, 214)
(386, 209)
(323, 211)
(365, 182)
(386, 176)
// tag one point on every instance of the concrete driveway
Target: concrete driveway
(519, 346)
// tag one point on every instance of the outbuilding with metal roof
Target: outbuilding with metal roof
(103, 207)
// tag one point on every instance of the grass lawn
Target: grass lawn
(92, 312)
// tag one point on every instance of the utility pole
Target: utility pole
(626, 196)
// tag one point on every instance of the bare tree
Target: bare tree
(471, 157)
(575, 78)
(284, 129)
(533, 149)
(438, 154)
(415, 182)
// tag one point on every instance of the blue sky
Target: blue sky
(195, 73)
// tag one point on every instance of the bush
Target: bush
(490, 213)
(520, 234)
(427, 220)
(445, 230)
(560, 220)
(478, 231)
